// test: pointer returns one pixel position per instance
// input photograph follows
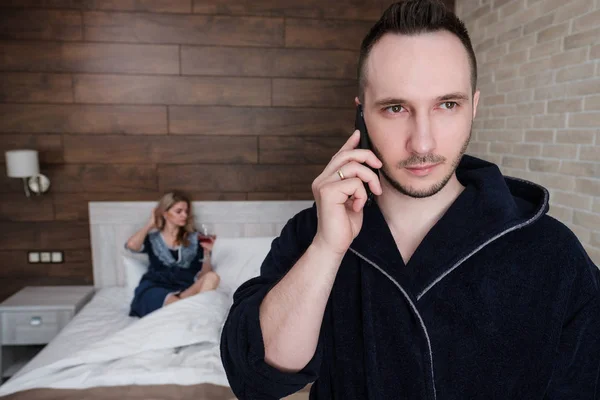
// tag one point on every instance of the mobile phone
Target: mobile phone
(365, 143)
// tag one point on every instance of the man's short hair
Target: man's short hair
(413, 17)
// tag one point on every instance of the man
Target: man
(452, 284)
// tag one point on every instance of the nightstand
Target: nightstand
(32, 317)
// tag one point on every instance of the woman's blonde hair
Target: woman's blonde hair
(164, 204)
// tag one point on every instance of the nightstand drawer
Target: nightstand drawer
(32, 327)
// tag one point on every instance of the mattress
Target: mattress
(104, 315)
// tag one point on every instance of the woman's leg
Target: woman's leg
(148, 297)
(206, 282)
(171, 298)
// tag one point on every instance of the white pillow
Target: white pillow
(135, 265)
(237, 260)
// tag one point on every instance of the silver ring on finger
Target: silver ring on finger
(340, 174)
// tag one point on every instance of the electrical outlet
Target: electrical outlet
(45, 257)
(33, 257)
(57, 257)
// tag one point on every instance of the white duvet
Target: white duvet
(178, 344)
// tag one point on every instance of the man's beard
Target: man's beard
(415, 160)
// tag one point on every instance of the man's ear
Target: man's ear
(475, 103)
(356, 101)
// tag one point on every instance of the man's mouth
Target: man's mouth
(421, 170)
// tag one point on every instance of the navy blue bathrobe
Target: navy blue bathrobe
(170, 271)
(500, 301)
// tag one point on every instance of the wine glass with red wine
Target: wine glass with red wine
(205, 235)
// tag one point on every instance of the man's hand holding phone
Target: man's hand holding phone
(291, 314)
(340, 194)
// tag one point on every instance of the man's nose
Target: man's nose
(421, 139)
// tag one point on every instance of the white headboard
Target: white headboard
(112, 223)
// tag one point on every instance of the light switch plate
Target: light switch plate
(33, 257)
(57, 257)
(45, 256)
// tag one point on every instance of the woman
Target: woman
(179, 265)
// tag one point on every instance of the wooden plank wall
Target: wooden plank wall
(227, 99)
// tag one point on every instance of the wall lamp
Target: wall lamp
(25, 164)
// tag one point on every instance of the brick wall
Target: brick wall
(539, 114)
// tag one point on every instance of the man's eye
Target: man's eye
(394, 109)
(449, 105)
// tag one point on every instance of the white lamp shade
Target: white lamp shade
(22, 163)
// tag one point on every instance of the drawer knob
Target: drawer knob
(35, 321)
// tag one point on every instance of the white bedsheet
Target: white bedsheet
(178, 344)
(101, 345)
(106, 313)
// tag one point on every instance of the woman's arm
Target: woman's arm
(206, 265)
(136, 241)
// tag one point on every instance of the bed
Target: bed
(172, 353)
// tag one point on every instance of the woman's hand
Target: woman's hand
(206, 244)
(152, 222)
